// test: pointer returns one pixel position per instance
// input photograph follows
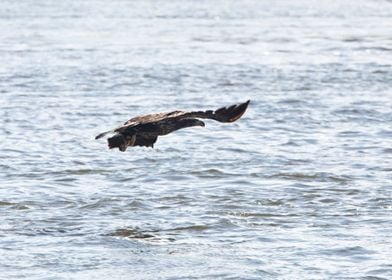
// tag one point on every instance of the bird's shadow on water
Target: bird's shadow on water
(136, 233)
(155, 235)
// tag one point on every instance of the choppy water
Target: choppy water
(299, 188)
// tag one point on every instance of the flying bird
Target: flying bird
(144, 130)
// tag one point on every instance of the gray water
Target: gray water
(299, 188)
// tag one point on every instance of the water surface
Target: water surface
(299, 188)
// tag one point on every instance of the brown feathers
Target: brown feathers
(144, 130)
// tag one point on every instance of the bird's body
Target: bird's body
(144, 130)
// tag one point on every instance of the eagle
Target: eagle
(144, 130)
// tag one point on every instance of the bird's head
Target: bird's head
(192, 122)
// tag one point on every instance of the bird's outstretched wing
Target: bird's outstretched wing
(148, 127)
(143, 120)
(224, 114)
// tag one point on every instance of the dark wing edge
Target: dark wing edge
(119, 141)
(226, 114)
(145, 141)
(232, 113)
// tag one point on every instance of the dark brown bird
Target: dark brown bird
(144, 130)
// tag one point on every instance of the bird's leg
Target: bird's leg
(131, 140)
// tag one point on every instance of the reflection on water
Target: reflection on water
(297, 188)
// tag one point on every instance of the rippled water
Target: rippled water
(299, 188)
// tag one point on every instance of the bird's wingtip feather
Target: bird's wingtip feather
(102, 134)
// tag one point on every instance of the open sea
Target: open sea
(299, 188)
